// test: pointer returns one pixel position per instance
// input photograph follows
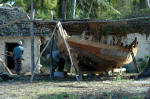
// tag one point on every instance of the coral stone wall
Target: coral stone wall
(26, 67)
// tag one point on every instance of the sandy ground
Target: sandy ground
(98, 88)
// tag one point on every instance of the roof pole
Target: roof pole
(32, 38)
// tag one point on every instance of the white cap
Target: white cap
(20, 42)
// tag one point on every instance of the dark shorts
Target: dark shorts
(18, 65)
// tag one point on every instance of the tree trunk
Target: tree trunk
(148, 3)
(73, 8)
(64, 9)
(143, 4)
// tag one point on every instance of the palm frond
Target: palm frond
(108, 6)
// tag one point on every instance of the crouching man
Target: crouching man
(57, 63)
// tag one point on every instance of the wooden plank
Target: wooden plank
(4, 65)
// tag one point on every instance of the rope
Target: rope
(31, 79)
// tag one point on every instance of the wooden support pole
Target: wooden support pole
(32, 39)
(50, 39)
(134, 60)
(51, 59)
(62, 33)
(51, 15)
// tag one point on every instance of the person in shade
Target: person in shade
(58, 63)
(17, 56)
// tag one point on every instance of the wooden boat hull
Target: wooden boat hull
(94, 57)
(91, 56)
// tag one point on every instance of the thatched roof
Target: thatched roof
(102, 27)
(17, 23)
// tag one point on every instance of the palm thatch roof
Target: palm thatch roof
(103, 27)
(15, 22)
(21, 25)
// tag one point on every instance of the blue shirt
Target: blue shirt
(17, 52)
(56, 55)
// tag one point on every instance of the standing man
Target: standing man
(17, 55)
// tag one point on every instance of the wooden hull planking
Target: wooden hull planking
(96, 57)
(92, 56)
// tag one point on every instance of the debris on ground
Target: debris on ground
(5, 76)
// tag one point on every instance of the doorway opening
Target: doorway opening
(9, 59)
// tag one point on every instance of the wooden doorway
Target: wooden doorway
(9, 59)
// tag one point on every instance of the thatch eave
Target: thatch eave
(104, 27)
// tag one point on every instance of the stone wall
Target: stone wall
(20, 28)
(27, 50)
(10, 14)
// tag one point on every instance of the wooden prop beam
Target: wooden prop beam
(63, 34)
(4, 65)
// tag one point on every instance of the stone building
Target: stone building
(19, 30)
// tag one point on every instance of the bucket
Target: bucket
(59, 74)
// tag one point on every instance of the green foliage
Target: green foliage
(109, 28)
(42, 7)
(118, 78)
(1, 79)
(59, 96)
(95, 9)
(45, 62)
(143, 62)
(139, 13)
(112, 9)
(86, 9)
(64, 95)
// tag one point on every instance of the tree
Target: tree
(62, 9)
(73, 8)
(42, 7)
(89, 9)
